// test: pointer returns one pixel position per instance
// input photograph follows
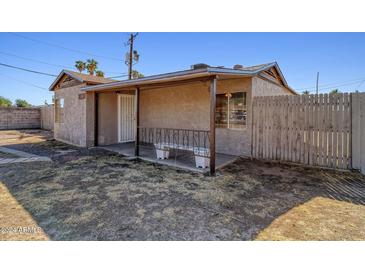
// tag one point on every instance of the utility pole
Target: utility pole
(130, 58)
(317, 83)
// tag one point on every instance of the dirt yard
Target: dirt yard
(95, 195)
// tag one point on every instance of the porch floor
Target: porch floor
(178, 158)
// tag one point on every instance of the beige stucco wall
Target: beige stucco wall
(90, 119)
(73, 128)
(261, 87)
(235, 141)
(188, 107)
(108, 119)
(185, 107)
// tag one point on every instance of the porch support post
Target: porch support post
(213, 91)
(96, 119)
(136, 115)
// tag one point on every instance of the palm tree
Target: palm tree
(136, 74)
(80, 65)
(91, 66)
(306, 92)
(99, 73)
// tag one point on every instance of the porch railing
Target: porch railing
(196, 141)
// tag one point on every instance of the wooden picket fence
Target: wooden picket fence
(310, 129)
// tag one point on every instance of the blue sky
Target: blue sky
(339, 57)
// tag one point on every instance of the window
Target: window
(231, 110)
(59, 110)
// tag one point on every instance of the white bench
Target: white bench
(201, 154)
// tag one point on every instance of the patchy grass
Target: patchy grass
(15, 222)
(318, 219)
(96, 195)
(8, 137)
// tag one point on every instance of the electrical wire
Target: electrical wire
(46, 63)
(48, 74)
(34, 60)
(118, 76)
(24, 82)
(334, 84)
(66, 48)
(28, 70)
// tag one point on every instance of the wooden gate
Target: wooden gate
(308, 129)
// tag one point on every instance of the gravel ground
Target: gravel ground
(91, 194)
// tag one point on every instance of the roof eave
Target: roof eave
(170, 76)
(63, 72)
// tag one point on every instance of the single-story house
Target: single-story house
(203, 110)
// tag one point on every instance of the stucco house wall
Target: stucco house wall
(235, 141)
(185, 107)
(108, 118)
(188, 107)
(261, 87)
(73, 127)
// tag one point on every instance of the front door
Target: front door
(126, 118)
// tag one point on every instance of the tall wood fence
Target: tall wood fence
(318, 130)
(358, 131)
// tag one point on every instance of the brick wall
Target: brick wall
(19, 118)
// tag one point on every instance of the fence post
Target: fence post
(362, 135)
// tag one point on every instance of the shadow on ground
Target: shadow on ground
(96, 195)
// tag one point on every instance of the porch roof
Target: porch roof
(189, 75)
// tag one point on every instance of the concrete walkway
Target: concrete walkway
(23, 157)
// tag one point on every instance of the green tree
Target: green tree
(99, 73)
(91, 66)
(136, 74)
(306, 92)
(80, 65)
(334, 91)
(22, 103)
(5, 102)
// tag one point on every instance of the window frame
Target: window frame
(226, 125)
(59, 109)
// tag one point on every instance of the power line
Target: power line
(28, 70)
(360, 84)
(24, 82)
(46, 63)
(34, 60)
(348, 84)
(118, 76)
(66, 48)
(331, 84)
(48, 74)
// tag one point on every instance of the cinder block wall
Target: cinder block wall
(20, 118)
(47, 117)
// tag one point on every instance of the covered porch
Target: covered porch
(171, 122)
(177, 158)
